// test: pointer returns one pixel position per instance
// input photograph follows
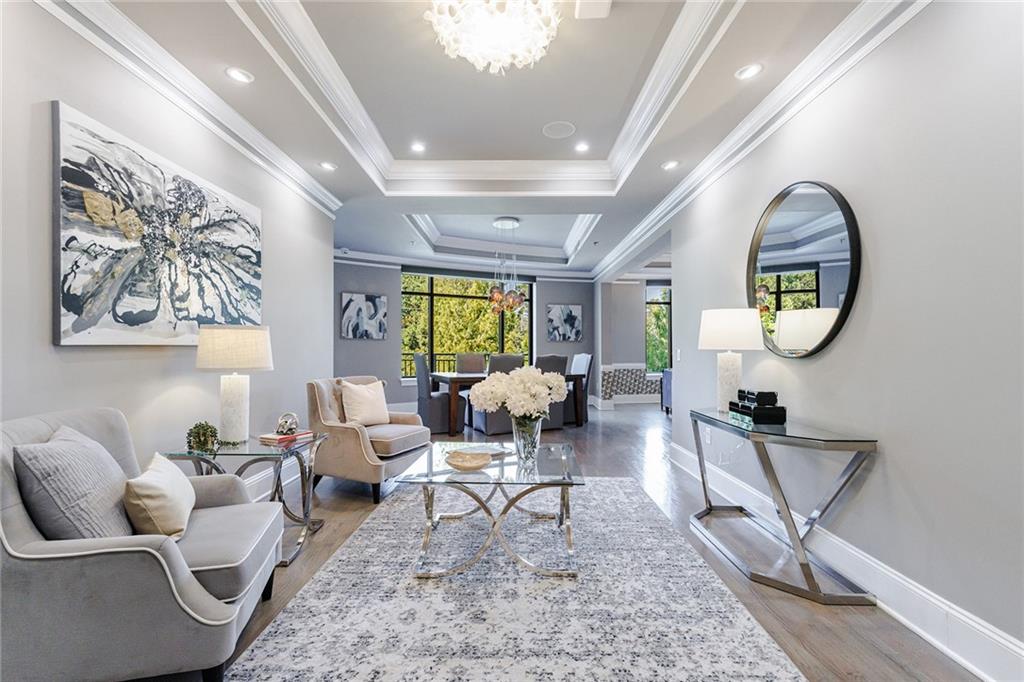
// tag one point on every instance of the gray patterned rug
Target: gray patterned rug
(645, 607)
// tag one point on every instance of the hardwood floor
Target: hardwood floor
(825, 642)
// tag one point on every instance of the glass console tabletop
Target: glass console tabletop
(792, 432)
(556, 465)
(249, 448)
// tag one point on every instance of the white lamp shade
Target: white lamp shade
(234, 347)
(803, 329)
(730, 329)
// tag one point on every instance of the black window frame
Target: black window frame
(777, 292)
(668, 305)
(431, 296)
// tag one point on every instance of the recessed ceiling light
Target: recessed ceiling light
(328, 166)
(506, 223)
(582, 147)
(418, 147)
(749, 71)
(669, 165)
(559, 130)
(239, 75)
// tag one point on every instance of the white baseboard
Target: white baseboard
(975, 644)
(600, 403)
(630, 398)
(259, 483)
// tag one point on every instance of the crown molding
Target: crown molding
(652, 106)
(441, 244)
(471, 263)
(865, 28)
(108, 29)
(512, 178)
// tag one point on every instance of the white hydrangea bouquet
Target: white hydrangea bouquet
(527, 393)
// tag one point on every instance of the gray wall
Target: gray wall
(832, 281)
(924, 139)
(627, 317)
(363, 356)
(547, 291)
(158, 388)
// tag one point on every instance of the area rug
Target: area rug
(645, 606)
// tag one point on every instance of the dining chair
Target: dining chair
(556, 411)
(492, 423)
(581, 364)
(431, 405)
(470, 362)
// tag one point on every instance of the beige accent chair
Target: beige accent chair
(371, 454)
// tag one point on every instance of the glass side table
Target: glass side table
(253, 452)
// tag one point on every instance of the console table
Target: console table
(794, 434)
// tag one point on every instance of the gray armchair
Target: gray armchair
(556, 411)
(493, 423)
(431, 405)
(371, 454)
(120, 608)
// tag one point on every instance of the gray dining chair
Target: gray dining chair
(431, 405)
(470, 362)
(582, 363)
(493, 423)
(556, 412)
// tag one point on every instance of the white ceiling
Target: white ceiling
(353, 83)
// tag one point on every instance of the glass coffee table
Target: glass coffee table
(555, 467)
(252, 451)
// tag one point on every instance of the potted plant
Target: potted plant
(202, 437)
(526, 393)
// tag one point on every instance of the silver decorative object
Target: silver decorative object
(287, 424)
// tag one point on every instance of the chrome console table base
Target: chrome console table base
(794, 537)
(563, 519)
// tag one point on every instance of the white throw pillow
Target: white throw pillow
(160, 501)
(365, 403)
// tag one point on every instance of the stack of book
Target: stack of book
(756, 407)
(284, 439)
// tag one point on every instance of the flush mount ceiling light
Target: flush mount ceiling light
(506, 223)
(749, 71)
(328, 166)
(418, 147)
(582, 147)
(239, 75)
(669, 165)
(495, 35)
(558, 130)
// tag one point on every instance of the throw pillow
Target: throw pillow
(71, 487)
(365, 403)
(160, 501)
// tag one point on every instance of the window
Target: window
(442, 316)
(786, 291)
(658, 328)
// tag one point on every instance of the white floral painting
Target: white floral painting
(146, 251)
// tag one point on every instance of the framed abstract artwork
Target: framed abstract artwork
(145, 251)
(565, 322)
(364, 316)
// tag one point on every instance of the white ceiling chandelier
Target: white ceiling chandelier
(495, 34)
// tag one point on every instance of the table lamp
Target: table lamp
(234, 347)
(730, 329)
(802, 330)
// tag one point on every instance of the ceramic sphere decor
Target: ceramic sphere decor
(495, 35)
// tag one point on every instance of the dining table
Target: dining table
(457, 381)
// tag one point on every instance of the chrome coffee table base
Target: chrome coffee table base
(563, 518)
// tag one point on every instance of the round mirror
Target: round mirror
(803, 268)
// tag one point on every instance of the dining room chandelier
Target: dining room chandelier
(495, 34)
(505, 294)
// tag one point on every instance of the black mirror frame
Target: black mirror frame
(851, 290)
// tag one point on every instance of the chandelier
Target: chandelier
(505, 295)
(495, 34)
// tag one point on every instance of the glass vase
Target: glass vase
(526, 433)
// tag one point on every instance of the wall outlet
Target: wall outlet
(707, 435)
